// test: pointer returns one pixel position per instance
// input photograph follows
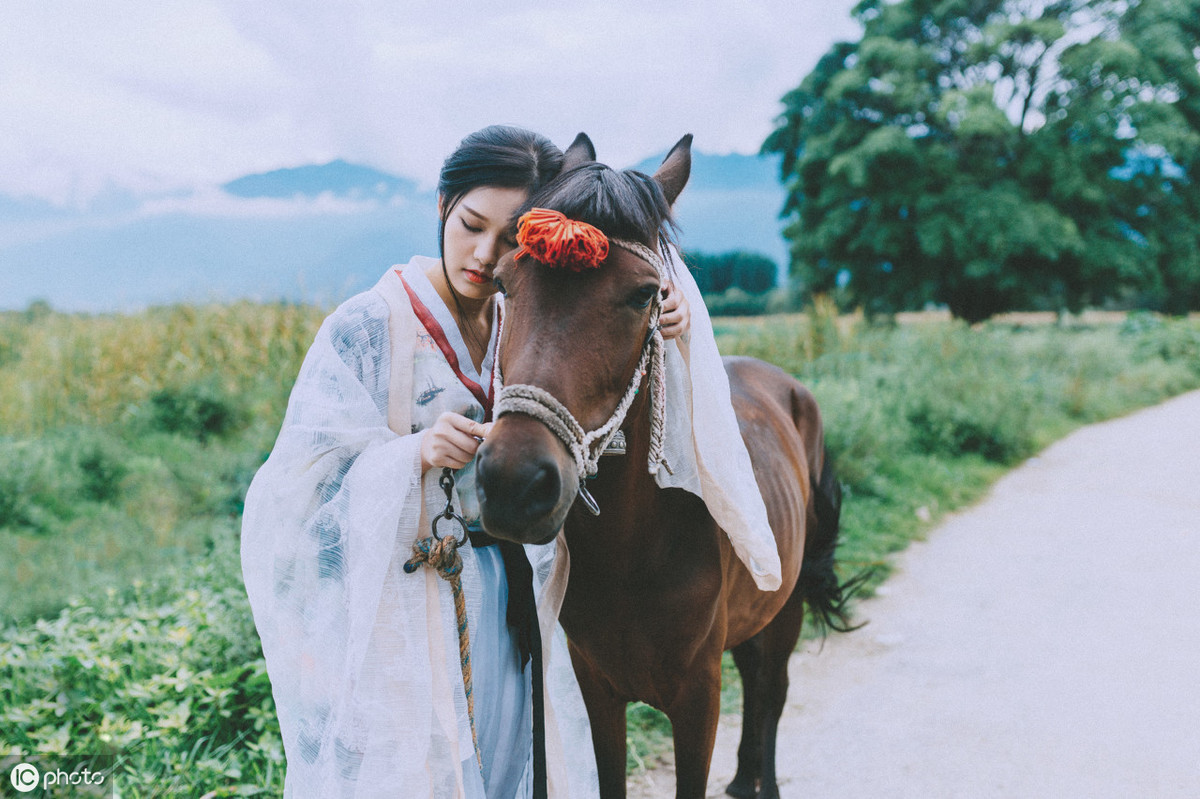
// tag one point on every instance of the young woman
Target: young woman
(364, 656)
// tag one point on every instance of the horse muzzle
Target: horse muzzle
(525, 481)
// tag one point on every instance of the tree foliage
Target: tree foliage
(1000, 154)
(751, 272)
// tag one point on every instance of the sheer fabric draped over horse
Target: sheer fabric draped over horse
(680, 564)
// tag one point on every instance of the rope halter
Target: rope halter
(587, 447)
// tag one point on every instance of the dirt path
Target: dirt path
(1044, 643)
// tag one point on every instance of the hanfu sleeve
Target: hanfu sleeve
(325, 519)
(704, 446)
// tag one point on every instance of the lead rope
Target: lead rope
(441, 555)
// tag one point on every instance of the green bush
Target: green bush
(1171, 342)
(36, 486)
(970, 413)
(736, 302)
(84, 509)
(198, 410)
(791, 299)
(168, 677)
(101, 461)
(864, 432)
(44, 480)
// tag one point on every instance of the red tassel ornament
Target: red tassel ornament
(555, 240)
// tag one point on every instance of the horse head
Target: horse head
(577, 336)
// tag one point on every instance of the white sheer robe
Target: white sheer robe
(363, 658)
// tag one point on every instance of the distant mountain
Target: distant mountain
(340, 178)
(313, 233)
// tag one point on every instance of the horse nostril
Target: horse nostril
(541, 492)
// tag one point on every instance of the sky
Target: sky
(155, 97)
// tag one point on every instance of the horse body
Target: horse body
(656, 592)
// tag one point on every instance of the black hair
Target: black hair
(498, 155)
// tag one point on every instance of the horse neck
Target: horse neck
(626, 492)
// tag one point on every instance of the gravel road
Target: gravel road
(1043, 643)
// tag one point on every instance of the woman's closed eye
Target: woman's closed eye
(469, 227)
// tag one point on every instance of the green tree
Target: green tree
(751, 272)
(999, 154)
(1166, 34)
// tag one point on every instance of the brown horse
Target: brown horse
(655, 592)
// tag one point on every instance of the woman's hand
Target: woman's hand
(676, 317)
(451, 441)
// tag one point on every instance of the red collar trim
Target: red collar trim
(439, 337)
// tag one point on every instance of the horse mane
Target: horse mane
(624, 204)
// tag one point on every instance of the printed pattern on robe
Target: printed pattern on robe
(436, 390)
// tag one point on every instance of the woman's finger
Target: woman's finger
(670, 299)
(451, 456)
(452, 441)
(672, 326)
(466, 425)
(675, 318)
(458, 442)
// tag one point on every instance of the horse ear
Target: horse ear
(673, 175)
(579, 153)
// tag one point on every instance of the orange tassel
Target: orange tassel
(555, 240)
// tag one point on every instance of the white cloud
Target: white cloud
(211, 202)
(153, 96)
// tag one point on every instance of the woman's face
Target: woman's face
(477, 233)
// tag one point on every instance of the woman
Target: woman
(364, 657)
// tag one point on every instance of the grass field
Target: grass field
(127, 442)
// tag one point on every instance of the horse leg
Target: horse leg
(607, 716)
(747, 656)
(606, 713)
(779, 641)
(694, 715)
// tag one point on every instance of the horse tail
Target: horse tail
(826, 597)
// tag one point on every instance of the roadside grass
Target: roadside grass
(127, 443)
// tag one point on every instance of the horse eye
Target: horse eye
(642, 297)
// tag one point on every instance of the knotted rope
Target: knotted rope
(587, 447)
(441, 555)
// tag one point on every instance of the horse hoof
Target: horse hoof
(742, 788)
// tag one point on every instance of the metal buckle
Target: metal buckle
(454, 517)
(589, 501)
(616, 446)
(446, 481)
